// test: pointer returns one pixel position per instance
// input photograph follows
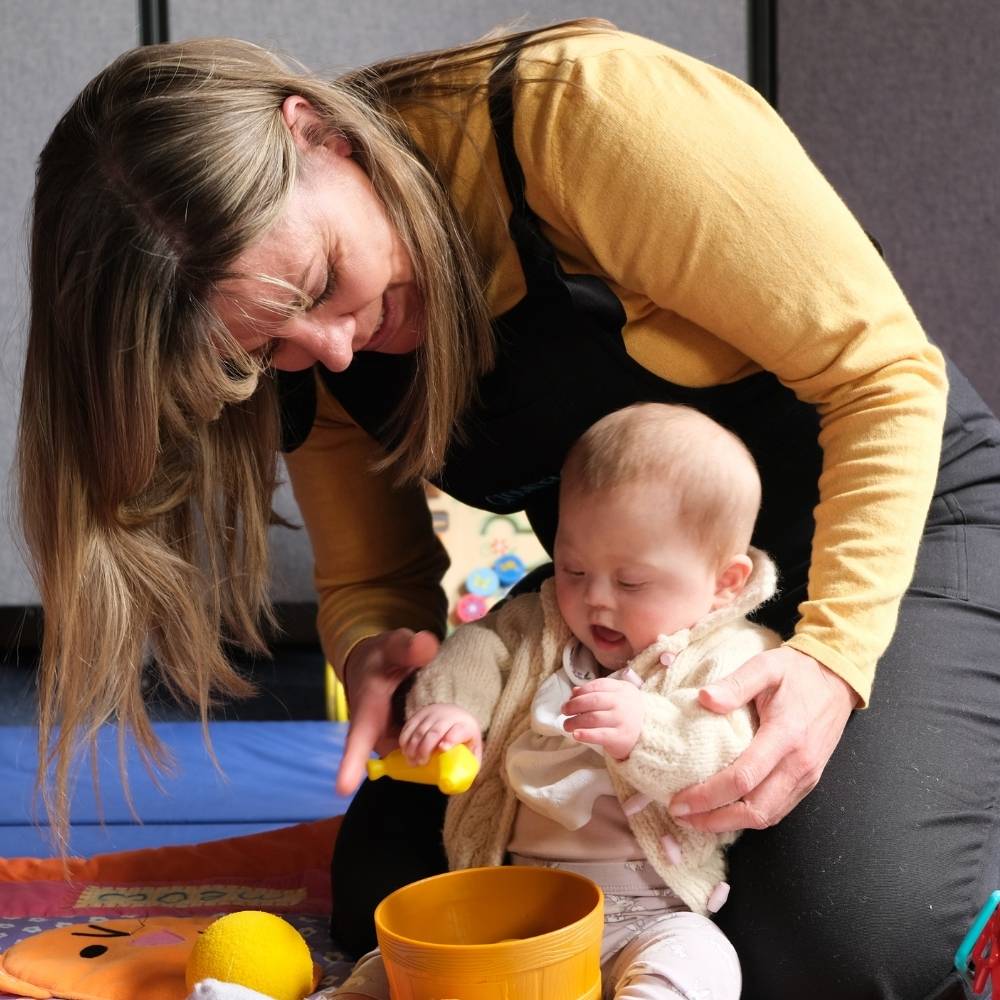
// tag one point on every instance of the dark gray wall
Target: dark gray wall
(331, 36)
(48, 50)
(898, 101)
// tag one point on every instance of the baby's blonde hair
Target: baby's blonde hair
(705, 470)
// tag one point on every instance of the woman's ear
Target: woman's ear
(304, 124)
(731, 580)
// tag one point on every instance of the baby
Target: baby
(582, 700)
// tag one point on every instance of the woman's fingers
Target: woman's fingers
(770, 802)
(742, 686)
(368, 724)
(767, 749)
(411, 649)
(803, 708)
(374, 670)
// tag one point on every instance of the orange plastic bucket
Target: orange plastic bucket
(494, 934)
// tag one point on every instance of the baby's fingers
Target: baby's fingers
(592, 720)
(590, 701)
(461, 733)
(412, 730)
(420, 736)
(599, 736)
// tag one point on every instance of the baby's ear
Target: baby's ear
(731, 580)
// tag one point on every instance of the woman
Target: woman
(456, 263)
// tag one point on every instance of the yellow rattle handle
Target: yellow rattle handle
(452, 770)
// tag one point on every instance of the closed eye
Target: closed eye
(631, 584)
(325, 294)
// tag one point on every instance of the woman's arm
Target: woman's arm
(378, 567)
(732, 253)
(681, 184)
(378, 563)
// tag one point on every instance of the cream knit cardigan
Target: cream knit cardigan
(492, 668)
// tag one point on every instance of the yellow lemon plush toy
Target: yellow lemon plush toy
(256, 950)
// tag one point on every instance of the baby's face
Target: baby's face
(627, 571)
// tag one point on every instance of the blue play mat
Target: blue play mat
(274, 774)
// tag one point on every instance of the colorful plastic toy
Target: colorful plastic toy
(509, 569)
(978, 956)
(118, 959)
(452, 770)
(482, 581)
(470, 608)
(492, 934)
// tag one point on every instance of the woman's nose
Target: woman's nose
(306, 341)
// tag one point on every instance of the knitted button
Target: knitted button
(672, 849)
(470, 608)
(718, 897)
(509, 569)
(482, 581)
(628, 674)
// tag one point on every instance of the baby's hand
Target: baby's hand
(607, 712)
(439, 727)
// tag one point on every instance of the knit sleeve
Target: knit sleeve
(470, 669)
(681, 742)
(378, 563)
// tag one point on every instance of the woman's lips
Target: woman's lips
(385, 327)
(606, 636)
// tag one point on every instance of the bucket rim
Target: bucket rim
(595, 912)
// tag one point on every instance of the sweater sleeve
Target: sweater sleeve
(681, 742)
(471, 667)
(378, 563)
(684, 186)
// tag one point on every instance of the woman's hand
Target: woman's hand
(803, 708)
(373, 671)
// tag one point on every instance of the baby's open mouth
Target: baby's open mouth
(606, 636)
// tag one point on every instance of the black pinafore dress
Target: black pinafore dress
(561, 365)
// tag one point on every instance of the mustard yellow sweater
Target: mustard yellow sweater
(682, 189)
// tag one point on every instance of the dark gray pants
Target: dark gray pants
(865, 890)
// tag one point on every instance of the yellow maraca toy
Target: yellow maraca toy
(452, 770)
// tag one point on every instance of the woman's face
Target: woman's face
(336, 243)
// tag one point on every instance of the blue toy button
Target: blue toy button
(482, 581)
(509, 569)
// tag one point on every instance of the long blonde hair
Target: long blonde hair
(147, 437)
